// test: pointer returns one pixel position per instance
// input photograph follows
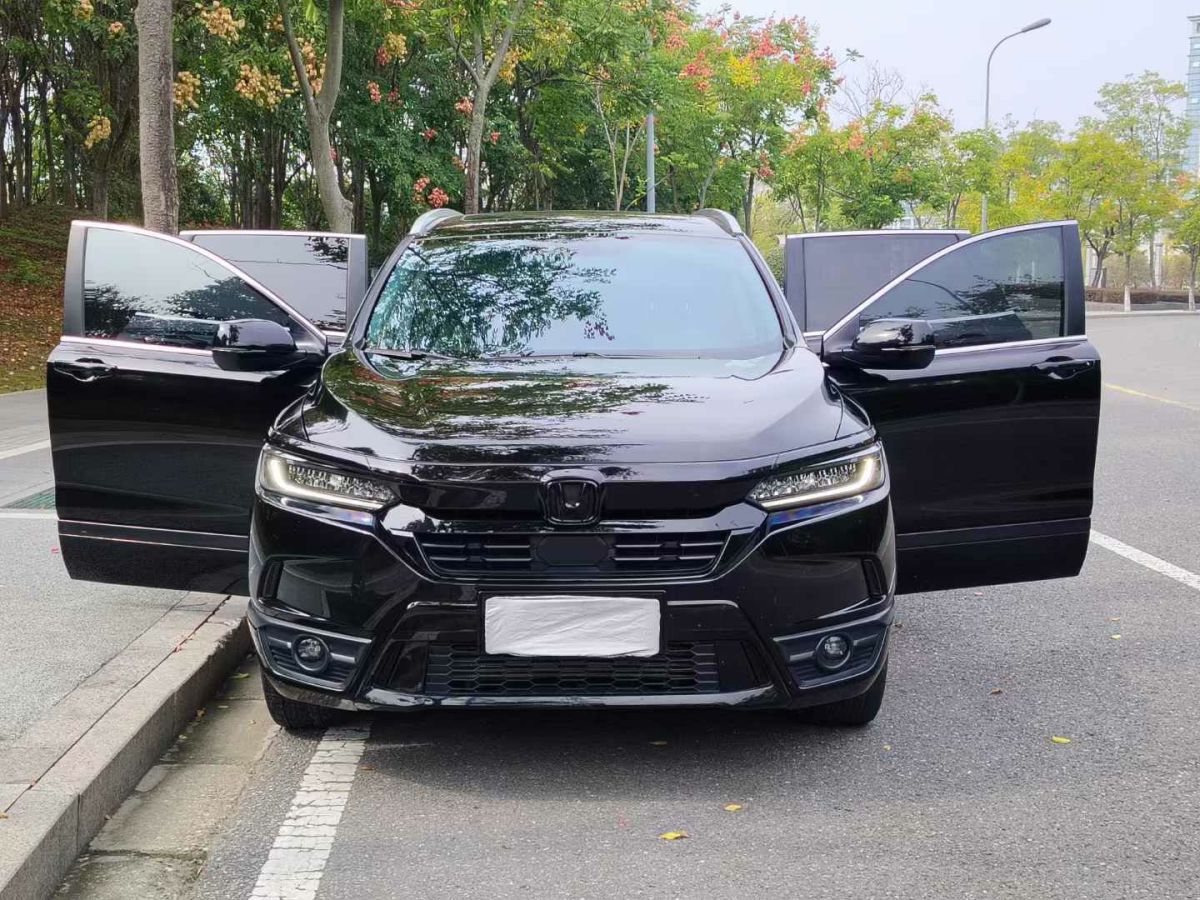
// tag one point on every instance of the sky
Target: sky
(1053, 73)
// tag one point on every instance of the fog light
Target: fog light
(833, 651)
(311, 652)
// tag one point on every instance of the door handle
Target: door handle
(1062, 368)
(85, 368)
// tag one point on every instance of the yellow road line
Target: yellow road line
(1131, 392)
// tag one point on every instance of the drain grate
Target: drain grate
(40, 500)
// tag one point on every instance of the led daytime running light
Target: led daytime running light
(293, 478)
(831, 481)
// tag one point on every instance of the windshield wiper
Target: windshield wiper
(406, 353)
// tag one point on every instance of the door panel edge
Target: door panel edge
(977, 557)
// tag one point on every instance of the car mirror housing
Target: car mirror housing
(891, 344)
(254, 345)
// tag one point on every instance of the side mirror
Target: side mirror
(892, 344)
(254, 345)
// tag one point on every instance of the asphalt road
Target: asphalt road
(956, 790)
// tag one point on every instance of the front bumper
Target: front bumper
(403, 636)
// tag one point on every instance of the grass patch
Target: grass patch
(31, 271)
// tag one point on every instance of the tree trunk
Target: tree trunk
(475, 144)
(358, 193)
(47, 138)
(748, 205)
(318, 111)
(3, 162)
(18, 161)
(100, 192)
(156, 120)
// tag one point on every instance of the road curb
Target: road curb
(1120, 314)
(52, 817)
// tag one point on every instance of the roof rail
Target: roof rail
(427, 221)
(724, 220)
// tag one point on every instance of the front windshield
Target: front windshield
(613, 295)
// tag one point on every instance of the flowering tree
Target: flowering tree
(757, 78)
(480, 33)
(319, 84)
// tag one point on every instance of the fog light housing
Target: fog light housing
(310, 652)
(833, 651)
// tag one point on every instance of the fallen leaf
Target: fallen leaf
(658, 743)
(887, 746)
(3, 815)
(240, 675)
(1057, 739)
(732, 807)
(1115, 637)
(222, 706)
(673, 835)
(1114, 618)
(995, 691)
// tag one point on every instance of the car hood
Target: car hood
(580, 410)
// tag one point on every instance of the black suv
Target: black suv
(572, 459)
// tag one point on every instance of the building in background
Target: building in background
(1193, 89)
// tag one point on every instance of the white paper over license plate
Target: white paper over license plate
(571, 626)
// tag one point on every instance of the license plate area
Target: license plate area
(562, 625)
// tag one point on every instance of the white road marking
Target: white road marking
(1161, 566)
(26, 448)
(47, 514)
(302, 846)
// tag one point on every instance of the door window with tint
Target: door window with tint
(141, 288)
(309, 271)
(1004, 288)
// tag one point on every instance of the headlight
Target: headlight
(845, 477)
(297, 478)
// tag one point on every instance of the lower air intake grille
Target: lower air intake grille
(617, 555)
(456, 670)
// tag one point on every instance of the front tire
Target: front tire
(295, 715)
(853, 712)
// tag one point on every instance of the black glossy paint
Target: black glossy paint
(990, 452)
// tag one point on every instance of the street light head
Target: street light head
(1040, 23)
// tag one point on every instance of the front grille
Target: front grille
(457, 670)
(622, 554)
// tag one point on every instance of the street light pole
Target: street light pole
(651, 204)
(987, 100)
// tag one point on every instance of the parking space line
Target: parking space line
(1142, 558)
(1132, 393)
(302, 846)
(28, 514)
(25, 448)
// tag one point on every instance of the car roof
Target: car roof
(542, 224)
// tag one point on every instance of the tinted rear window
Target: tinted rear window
(309, 272)
(612, 294)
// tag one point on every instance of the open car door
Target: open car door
(159, 402)
(991, 434)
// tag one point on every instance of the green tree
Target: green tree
(1143, 110)
(1185, 232)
